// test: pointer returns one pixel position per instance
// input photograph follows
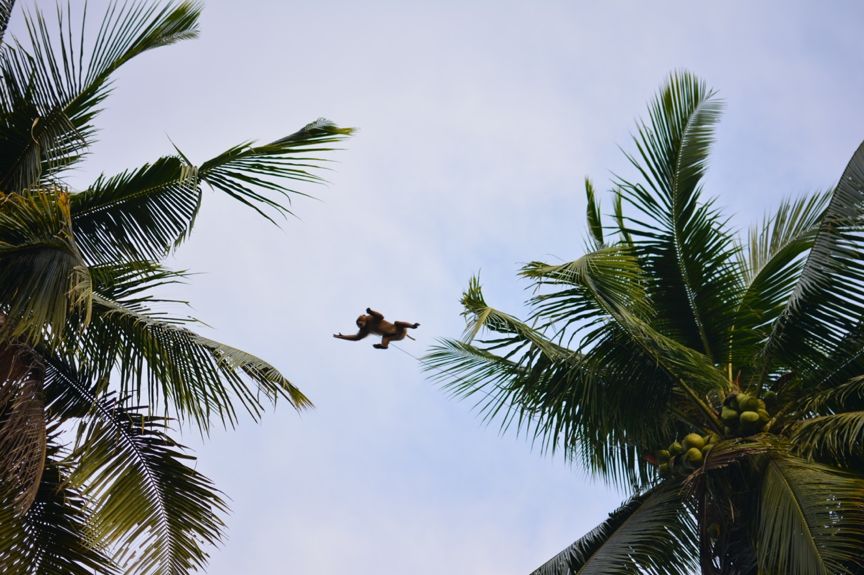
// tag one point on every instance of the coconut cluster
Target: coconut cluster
(743, 414)
(688, 453)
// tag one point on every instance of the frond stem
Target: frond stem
(704, 407)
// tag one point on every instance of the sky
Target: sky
(477, 123)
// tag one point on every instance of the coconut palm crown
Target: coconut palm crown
(94, 368)
(719, 381)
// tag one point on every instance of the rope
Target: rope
(405, 352)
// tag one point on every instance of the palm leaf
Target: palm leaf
(502, 387)
(166, 364)
(842, 397)
(155, 509)
(71, 392)
(595, 225)
(53, 537)
(620, 223)
(774, 261)
(5, 14)
(43, 278)
(159, 361)
(822, 314)
(811, 519)
(244, 169)
(552, 393)
(650, 533)
(138, 214)
(146, 212)
(683, 246)
(610, 284)
(51, 90)
(837, 437)
(555, 394)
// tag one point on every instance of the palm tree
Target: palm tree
(93, 366)
(720, 382)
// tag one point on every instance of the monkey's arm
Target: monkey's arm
(373, 313)
(357, 336)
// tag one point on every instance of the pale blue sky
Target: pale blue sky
(478, 122)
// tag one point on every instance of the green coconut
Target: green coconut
(728, 415)
(712, 438)
(764, 416)
(749, 417)
(676, 448)
(693, 456)
(750, 404)
(707, 448)
(663, 455)
(693, 440)
(747, 402)
(664, 468)
(750, 422)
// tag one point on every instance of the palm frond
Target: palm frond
(595, 225)
(134, 283)
(156, 510)
(620, 223)
(811, 519)
(159, 361)
(43, 278)
(826, 305)
(774, 259)
(837, 437)
(682, 244)
(138, 214)
(243, 170)
(790, 227)
(607, 293)
(49, 92)
(556, 402)
(479, 316)
(651, 533)
(843, 397)
(71, 392)
(6, 7)
(604, 284)
(54, 536)
(550, 392)
(471, 372)
(166, 364)
(554, 394)
(146, 212)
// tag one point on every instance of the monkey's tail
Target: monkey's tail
(409, 337)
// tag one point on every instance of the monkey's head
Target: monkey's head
(361, 321)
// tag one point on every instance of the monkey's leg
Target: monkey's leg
(406, 324)
(385, 341)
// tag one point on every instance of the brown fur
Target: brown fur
(374, 323)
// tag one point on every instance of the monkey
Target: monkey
(373, 322)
